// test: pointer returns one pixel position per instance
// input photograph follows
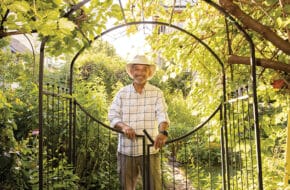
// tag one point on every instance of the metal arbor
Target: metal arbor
(229, 155)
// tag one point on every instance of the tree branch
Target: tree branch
(4, 19)
(75, 8)
(5, 34)
(252, 24)
(266, 63)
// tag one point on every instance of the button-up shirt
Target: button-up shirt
(139, 111)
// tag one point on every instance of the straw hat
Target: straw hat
(140, 60)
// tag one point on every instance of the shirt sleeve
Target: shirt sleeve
(114, 114)
(162, 115)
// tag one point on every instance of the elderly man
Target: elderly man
(136, 107)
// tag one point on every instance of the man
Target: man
(136, 107)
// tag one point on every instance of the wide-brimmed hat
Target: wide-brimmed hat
(140, 60)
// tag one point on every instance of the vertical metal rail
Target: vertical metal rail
(209, 156)
(144, 162)
(197, 158)
(40, 111)
(51, 128)
(67, 117)
(147, 176)
(98, 151)
(232, 162)
(251, 143)
(173, 171)
(162, 169)
(71, 123)
(223, 159)
(110, 160)
(73, 133)
(86, 140)
(244, 135)
(47, 139)
(239, 139)
(186, 167)
(225, 147)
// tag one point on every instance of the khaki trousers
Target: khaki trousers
(130, 167)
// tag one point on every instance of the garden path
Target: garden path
(179, 177)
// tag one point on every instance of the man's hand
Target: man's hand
(129, 132)
(160, 140)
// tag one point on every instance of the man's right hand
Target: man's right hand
(129, 132)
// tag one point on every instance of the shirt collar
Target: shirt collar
(143, 90)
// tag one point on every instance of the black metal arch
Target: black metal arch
(139, 23)
(224, 128)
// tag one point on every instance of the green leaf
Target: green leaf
(116, 11)
(270, 2)
(47, 28)
(19, 6)
(52, 14)
(57, 2)
(282, 23)
(286, 9)
(65, 25)
(11, 18)
(107, 3)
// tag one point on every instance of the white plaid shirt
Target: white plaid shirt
(139, 111)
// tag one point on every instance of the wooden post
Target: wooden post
(287, 171)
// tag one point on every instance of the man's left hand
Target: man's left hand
(160, 140)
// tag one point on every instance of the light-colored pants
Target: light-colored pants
(129, 168)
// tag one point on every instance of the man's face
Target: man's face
(140, 73)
